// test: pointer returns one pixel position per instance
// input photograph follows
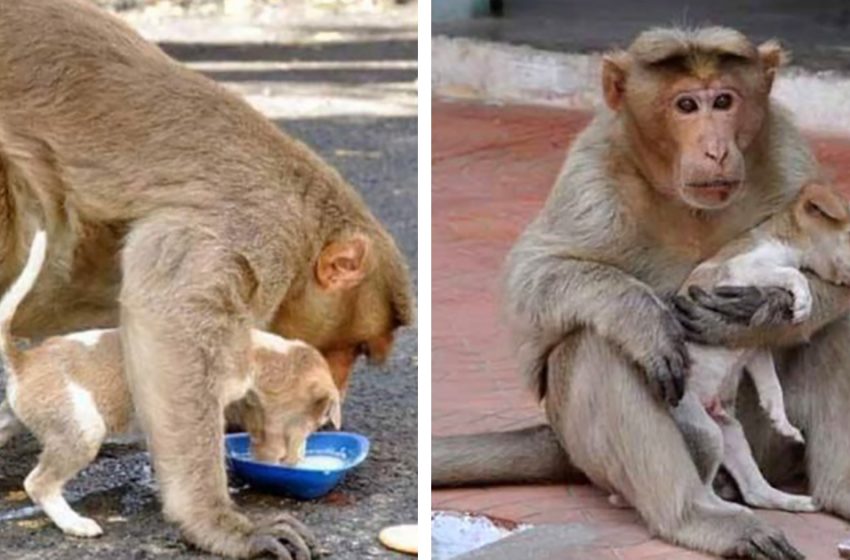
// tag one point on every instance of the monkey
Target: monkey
(181, 216)
(688, 153)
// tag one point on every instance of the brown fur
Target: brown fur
(162, 190)
(621, 230)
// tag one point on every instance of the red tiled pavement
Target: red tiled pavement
(492, 169)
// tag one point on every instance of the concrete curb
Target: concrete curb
(472, 69)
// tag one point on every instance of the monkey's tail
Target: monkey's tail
(16, 294)
(519, 456)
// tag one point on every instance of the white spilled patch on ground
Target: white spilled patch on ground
(453, 534)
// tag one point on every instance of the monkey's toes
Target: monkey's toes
(285, 537)
(769, 545)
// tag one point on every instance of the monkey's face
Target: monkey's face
(350, 306)
(823, 218)
(692, 111)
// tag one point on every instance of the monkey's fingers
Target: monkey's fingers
(262, 545)
(735, 304)
(303, 530)
(773, 546)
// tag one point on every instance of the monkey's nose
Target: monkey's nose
(717, 153)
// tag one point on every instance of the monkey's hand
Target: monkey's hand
(726, 315)
(663, 355)
(284, 537)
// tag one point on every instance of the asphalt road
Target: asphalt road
(377, 154)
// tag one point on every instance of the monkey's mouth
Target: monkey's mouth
(727, 184)
(719, 189)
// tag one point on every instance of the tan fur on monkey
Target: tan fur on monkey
(70, 392)
(163, 191)
(689, 153)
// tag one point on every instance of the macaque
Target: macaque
(688, 153)
(180, 215)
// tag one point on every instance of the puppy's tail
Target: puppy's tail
(17, 292)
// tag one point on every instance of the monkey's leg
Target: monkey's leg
(738, 460)
(816, 378)
(184, 328)
(762, 371)
(625, 440)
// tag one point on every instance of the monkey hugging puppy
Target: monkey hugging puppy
(688, 153)
(180, 214)
(70, 392)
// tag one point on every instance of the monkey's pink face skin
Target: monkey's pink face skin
(710, 126)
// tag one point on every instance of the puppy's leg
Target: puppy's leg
(763, 373)
(62, 458)
(738, 460)
(10, 426)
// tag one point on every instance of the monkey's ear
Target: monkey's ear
(772, 57)
(342, 264)
(821, 203)
(615, 68)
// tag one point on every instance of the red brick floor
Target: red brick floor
(492, 169)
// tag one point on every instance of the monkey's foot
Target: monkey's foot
(769, 544)
(285, 537)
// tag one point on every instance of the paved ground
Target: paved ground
(492, 169)
(376, 150)
(816, 31)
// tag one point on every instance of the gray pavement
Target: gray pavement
(817, 31)
(377, 154)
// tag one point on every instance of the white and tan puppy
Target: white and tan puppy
(813, 234)
(70, 392)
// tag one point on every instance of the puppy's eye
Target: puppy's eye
(723, 101)
(687, 105)
(363, 350)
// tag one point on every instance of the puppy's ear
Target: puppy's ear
(335, 412)
(821, 203)
(342, 264)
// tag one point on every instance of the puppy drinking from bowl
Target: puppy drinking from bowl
(71, 393)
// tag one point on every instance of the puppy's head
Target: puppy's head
(294, 396)
(822, 216)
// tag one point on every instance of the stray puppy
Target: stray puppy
(812, 233)
(70, 392)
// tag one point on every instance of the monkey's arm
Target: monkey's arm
(756, 316)
(553, 295)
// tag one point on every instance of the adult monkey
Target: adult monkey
(654, 185)
(162, 190)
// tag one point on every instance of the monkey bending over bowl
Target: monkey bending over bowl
(71, 393)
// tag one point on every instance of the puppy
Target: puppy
(812, 233)
(70, 392)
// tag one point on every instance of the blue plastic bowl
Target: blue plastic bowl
(304, 484)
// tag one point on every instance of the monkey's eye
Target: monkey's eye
(687, 104)
(723, 101)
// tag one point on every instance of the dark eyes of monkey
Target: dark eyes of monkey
(723, 101)
(687, 105)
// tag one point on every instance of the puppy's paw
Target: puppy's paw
(83, 527)
(801, 504)
(790, 431)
